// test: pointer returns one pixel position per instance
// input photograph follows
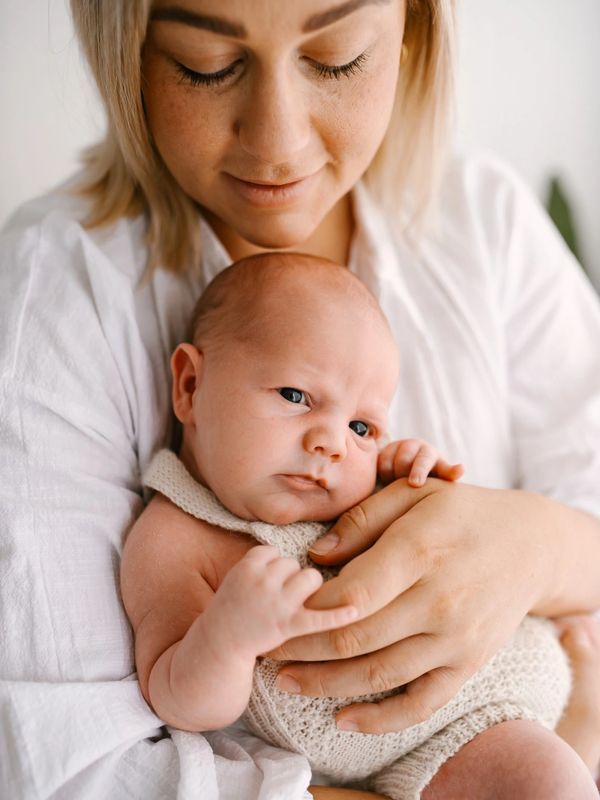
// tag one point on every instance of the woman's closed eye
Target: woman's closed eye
(326, 71)
(207, 78)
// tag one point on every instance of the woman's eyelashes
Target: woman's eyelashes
(206, 78)
(325, 71)
(340, 70)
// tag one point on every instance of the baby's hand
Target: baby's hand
(414, 459)
(261, 601)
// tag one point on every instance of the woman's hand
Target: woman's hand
(444, 577)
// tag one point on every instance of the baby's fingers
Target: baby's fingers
(299, 588)
(396, 459)
(423, 463)
(446, 471)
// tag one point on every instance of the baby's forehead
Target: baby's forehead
(273, 296)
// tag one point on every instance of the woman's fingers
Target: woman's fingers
(397, 560)
(419, 700)
(388, 669)
(315, 621)
(357, 529)
(403, 617)
(373, 579)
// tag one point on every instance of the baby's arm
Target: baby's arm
(196, 643)
(414, 459)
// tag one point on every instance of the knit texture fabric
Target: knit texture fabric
(528, 679)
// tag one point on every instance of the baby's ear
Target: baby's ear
(186, 363)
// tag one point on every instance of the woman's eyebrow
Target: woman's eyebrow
(227, 27)
(324, 18)
(185, 17)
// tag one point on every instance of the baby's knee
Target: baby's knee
(514, 759)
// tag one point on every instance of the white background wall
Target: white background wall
(528, 89)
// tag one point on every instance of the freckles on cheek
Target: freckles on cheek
(172, 121)
(359, 116)
(185, 132)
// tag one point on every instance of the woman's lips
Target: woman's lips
(271, 195)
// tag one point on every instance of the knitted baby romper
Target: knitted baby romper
(528, 679)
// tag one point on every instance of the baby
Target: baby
(283, 398)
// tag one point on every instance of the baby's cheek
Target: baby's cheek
(359, 482)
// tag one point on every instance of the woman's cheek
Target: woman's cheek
(357, 137)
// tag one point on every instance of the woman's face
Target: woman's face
(267, 112)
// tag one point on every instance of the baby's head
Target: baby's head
(284, 393)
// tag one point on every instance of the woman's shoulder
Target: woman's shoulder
(488, 223)
(72, 288)
(480, 174)
(483, 196)
(51, 229)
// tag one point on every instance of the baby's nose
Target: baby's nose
(328, 441)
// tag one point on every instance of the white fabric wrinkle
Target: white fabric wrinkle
(380, 252)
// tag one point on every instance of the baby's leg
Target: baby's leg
(580, 724)
(516, 759)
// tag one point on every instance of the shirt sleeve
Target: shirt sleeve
(73, 722)
(551, 319)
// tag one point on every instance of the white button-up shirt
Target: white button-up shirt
(499, 336)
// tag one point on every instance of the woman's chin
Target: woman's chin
(276, 233)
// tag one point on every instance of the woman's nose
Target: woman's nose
(274, 125)
(329, 441)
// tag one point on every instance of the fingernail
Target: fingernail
(346, 724)
(326, 544)
(285, 683)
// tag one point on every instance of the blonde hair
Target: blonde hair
(125, 176)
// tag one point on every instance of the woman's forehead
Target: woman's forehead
(241, 18)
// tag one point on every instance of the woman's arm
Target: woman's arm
(433, 591)
(441, 557)
(331, 793)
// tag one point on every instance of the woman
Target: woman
(233, 129)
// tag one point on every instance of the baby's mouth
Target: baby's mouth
(305, 481)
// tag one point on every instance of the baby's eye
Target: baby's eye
(292, 395)
(359, 427)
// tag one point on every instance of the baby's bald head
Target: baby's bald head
(285, 392)
(264, 292)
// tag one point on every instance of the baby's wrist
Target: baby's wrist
(228, 642)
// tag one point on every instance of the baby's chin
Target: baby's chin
(285, 508)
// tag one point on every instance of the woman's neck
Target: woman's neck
(331, 239)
